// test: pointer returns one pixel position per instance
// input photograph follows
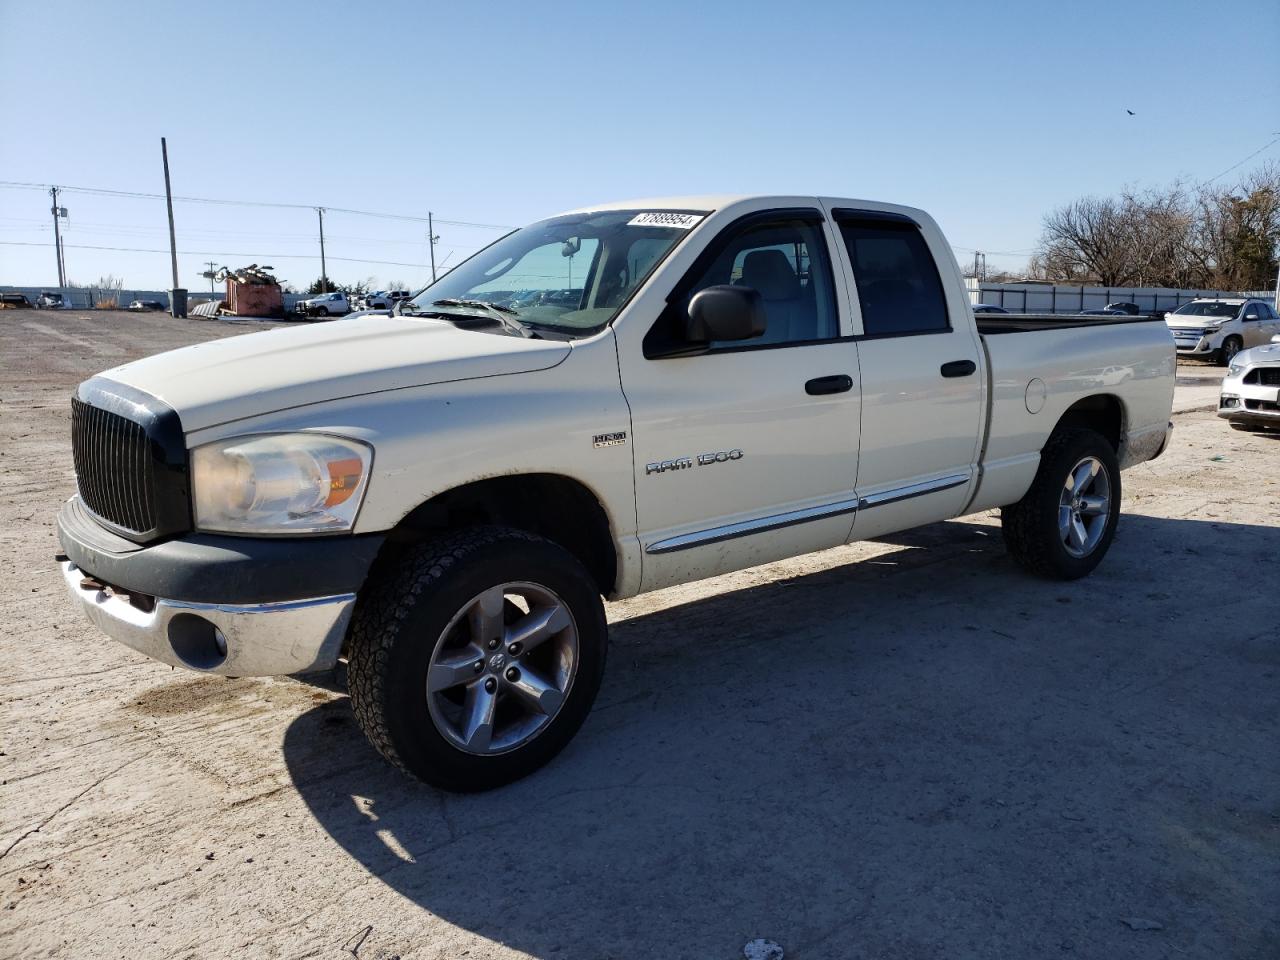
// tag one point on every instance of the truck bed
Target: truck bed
(990, 324)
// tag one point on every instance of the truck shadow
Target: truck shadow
(928, 754)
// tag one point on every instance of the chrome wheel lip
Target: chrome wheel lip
(1084, 507)
(498, 662)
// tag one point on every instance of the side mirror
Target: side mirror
(725, 313)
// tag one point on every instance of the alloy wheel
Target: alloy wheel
(502, 668)
(1084, 507)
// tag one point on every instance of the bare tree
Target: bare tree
(1174, 236)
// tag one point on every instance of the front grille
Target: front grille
(1268, 406)
(114, 467)
(1264, 376)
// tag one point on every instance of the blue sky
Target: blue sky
(985, 114)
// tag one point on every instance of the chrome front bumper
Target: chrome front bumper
(235, 640)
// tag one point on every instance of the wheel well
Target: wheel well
(552, 506)
(1101, 413)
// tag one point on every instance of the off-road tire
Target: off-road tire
(402, 612)
(1030, 526)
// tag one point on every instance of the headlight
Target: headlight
(1235, 367)
(279, 483)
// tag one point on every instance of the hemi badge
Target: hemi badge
(609, 439)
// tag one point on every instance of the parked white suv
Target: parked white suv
(606, 402)
(1219, 329)
(328, 304)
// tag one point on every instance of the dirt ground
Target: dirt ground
(898, 750)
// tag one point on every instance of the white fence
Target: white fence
(84, 298)
(1056, 298)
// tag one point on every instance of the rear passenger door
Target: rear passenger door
(1256, 324)
(922, 374)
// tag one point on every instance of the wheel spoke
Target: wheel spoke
(1083, 474)
(477, 724)
(1064, 522)
(485, 617)
(1077, 536)
(536, 692)
(455, 671)
(1093, 506)
(537, 626)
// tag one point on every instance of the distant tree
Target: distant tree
(358, 288)
(105, 292)
(1176, 236)
(322, 286)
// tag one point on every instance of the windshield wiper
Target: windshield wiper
(503, 314)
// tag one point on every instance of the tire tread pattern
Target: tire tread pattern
(1020, 522)
(383, 607)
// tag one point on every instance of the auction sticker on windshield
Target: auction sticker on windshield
(678, 221)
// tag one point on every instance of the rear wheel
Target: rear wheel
(1230, 347)
(1064, 525)
(475, 660)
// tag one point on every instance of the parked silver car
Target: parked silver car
(1251, 390)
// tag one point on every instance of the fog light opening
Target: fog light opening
(197, 642)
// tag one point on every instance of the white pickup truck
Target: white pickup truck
(325, 305)
(606, 402)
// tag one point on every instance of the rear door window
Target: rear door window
(898, 284)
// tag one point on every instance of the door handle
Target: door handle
(959, 368)
(839, 383)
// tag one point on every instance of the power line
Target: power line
(210, 253)
(139, 195)
(1244, 161)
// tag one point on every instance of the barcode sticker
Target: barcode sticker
(677, 221)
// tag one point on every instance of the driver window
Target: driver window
(786, 261)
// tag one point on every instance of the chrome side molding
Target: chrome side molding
(913, 490)
(744, 528)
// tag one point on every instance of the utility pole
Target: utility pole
(324, 276)
(431, 242)
(177, 302)
(210, 264)
(57, 240)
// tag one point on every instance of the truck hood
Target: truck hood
(224, 380)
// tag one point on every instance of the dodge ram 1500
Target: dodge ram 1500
(606, 402)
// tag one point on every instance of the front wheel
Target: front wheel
(1230, 347)
(322, 311)
(1063, 526)
(474, 660)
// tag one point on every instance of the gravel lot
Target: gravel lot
(883, 751)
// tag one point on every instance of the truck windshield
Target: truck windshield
(1208, 309)
(571, 273)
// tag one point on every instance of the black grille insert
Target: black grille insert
(131, 460)
(1264, 376)
(114, 467)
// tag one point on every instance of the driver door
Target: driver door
(748, 452)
